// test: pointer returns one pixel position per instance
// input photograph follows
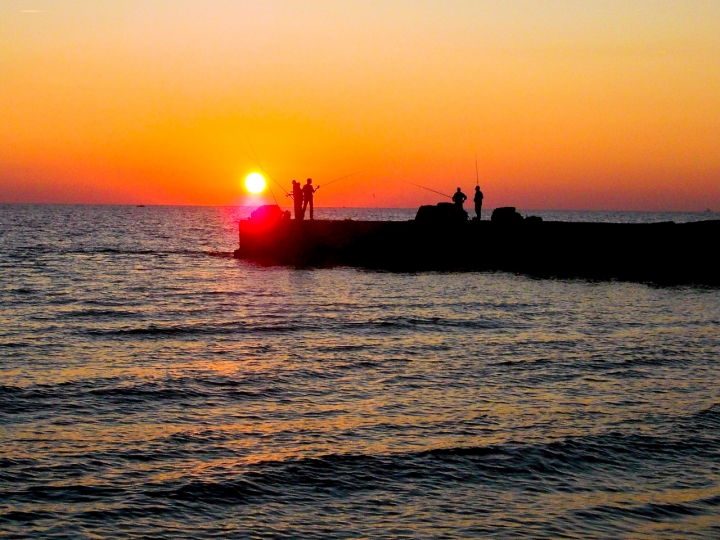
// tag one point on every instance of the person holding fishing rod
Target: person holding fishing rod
(459, 198)
(478, 199)
(443, 212)
(297, 196)
(308, 192)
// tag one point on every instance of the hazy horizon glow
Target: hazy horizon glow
(567, 104)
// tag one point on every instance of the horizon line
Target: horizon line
(707, 210)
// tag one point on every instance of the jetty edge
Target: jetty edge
(665, 253)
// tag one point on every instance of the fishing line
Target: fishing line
(273, 179)
(423, 187)
(264, 171)
(341, 178)
(271, 193)
(477, 175)
(253, 151)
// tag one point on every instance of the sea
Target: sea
(151, 386)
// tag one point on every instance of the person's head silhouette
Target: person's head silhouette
(309, 180)
(477, 188)
(458, 190)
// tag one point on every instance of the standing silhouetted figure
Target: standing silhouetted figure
(297, 195)
(308, 191)
(478, 201)
(459, 198)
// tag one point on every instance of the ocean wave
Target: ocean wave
(603, 469)
(22, 252)
(563, 464)
(267, 324)
(125, 251)
(413, 322)
(705, 421)
(654, 512)
(91, 313)
(272, 323)
(15, 344)
(26, 517)
(233, 491)
(222, 254)
(105, 394)
(155, 331)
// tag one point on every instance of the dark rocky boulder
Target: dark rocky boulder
(506, 214)
(441, 213)
(267, 213)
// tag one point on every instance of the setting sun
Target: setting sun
(255, 183)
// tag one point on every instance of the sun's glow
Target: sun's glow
(255, 183)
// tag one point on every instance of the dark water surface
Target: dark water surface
(150, 389)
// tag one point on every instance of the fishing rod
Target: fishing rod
(274, 198)
(423, 187)
(337, 179)
(257, 162)
(477, 175)
(331, 182)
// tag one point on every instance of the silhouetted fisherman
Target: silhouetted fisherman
(459, 198)
(308, 192)
(297, 195)
(478, 199)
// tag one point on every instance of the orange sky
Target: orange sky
(568, 104)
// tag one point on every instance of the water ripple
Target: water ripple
(151, 386)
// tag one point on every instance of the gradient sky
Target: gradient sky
(569, 104)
